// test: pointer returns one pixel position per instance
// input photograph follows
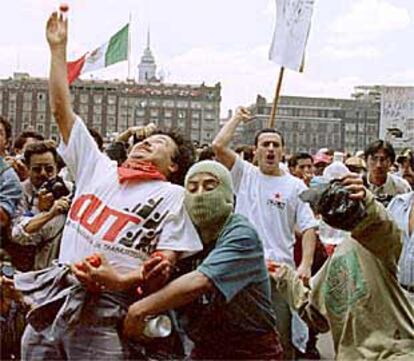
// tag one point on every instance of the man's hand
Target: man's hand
(134, 324)
(46, 200)
(304, 273)
(355, 185)
(242, 114)
(271, 265)
(156, 272)
(98, 276)
(60, 206)
(19, 167)
(56, 31)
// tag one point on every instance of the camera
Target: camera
(57, 187)
(331, 200)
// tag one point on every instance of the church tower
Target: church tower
(147, 66)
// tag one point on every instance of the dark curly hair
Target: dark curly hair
(22, 137)
(184, 157)
(41, 147)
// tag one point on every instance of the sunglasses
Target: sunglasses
(38, 168)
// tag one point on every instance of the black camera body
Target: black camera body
(57, 187)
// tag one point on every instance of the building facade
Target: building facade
(112, 106)
(310, 123)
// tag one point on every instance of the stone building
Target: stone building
(310, 123)
(113, 106)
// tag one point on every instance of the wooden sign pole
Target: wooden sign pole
(276, 98)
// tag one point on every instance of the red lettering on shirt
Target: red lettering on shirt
(94, 226)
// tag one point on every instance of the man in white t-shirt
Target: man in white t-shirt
(268, 197)
(122, 213)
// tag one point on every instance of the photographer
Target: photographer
(356, 293)
(42, 211)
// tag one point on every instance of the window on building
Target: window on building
(26, 117)
(154, 112)
(111, 109)
(40, 128)
(97, 98)
(41, 106)
(111, 120)
(111, 99)
(27, 96)
(195, 105)
(168, 103)
(41, 118)
(83, 108)
(84, 98)
(97, 109)
(27, 106)
(167, 123)
(42, 97)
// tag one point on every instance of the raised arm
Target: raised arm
(221, 148)
(59, 96)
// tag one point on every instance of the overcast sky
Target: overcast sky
(352, 42)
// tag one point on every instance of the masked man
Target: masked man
(224, 298)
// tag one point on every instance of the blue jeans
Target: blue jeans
(82, 342)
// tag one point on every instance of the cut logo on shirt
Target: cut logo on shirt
(110, 224)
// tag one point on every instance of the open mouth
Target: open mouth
(270, 158)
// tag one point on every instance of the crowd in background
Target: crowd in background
(223, 241)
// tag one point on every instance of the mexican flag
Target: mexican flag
(113, 51)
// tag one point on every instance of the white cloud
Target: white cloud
(243, 73)
(368, 19)
(348, 52)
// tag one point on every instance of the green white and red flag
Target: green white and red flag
(113, 51)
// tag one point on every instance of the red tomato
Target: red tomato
(64, 8)
(80, 266)
(158, 254)
(94, 260)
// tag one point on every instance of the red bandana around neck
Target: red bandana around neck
(138, 171)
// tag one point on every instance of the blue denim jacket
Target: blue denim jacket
(10, 188)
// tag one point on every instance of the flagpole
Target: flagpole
(129, 46)
(276, 98)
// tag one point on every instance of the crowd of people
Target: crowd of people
(148, 248)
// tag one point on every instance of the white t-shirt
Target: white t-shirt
(272, 204)
(125, 222)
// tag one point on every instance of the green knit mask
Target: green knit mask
(212, 208)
